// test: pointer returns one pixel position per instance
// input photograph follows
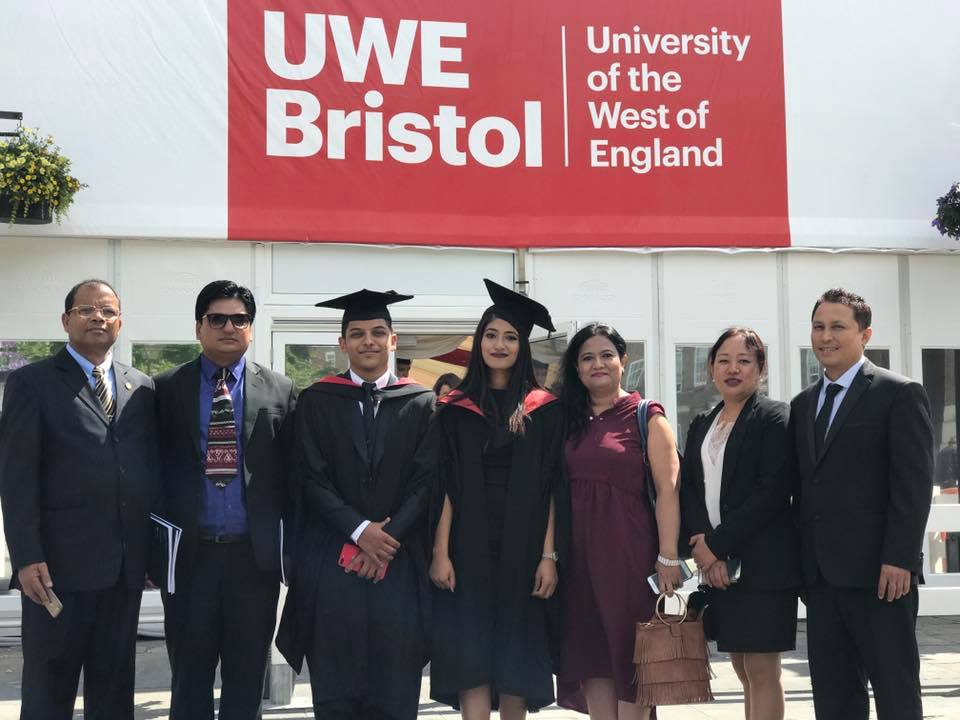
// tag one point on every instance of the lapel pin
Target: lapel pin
(128, 386)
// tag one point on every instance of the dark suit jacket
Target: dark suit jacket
(865, 501)
(268, 403)
(78, 490)
(756, 524)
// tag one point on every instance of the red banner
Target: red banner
(507, 123)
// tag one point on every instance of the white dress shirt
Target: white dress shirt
(381, 383)
(844, 381)
(712, 452)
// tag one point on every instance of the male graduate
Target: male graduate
(357, 607)
(78, 482)
(863, 447)
(226, 432)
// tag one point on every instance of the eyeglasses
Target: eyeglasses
(110, 314)
(218, 320)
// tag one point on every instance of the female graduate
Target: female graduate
(496, 510)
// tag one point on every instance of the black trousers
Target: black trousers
(852, 637)
(224, 612)
(96, 632)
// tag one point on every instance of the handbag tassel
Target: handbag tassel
(679, 693)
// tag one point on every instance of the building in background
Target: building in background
(207, 158)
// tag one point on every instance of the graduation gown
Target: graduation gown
(490, 630)
(362, 640)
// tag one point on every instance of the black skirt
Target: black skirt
(751, 621)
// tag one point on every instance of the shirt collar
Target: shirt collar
(846, 380)
(88, 366)
(211, 370)
(381, 381)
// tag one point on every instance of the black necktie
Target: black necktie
(823, 419)
(368, 406)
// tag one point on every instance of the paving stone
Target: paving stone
(939, 639)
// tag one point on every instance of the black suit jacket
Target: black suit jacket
(865, 501)
(756, 524)
(268, 403)
(77, 489)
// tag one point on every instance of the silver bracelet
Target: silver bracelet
(667, 562)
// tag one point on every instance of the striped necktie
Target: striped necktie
(222, 456)
(103, 393)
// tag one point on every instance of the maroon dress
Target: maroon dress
(613, 550)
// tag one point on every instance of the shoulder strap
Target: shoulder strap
(643, 418)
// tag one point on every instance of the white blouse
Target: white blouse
(711, 456)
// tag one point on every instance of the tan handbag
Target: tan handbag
(672, 660)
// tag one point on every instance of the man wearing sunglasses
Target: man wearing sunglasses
(225, 427)
(78, 482)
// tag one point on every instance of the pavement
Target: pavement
(939, 640)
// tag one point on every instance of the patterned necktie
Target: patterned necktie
(103, 393)
(823, 419)
(221, 462)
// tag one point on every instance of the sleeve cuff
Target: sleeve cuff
(355, 535)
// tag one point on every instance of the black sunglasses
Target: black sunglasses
(218, 320)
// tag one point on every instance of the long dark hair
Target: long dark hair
(476, 383)
(573, 394)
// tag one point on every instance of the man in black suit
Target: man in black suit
(77, 479)
(225, 441)
(863, 446)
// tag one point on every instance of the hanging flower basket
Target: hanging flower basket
(36, 214)
(947, 220)
(35, 181)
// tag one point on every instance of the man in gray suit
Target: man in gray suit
(77, 481)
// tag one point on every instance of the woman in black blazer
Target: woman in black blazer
(735, 499)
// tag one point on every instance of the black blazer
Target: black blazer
(268, 403)
(756, 524)
(865, 501)
(77, 490)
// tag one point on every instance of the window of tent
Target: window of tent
(941, 379)
(154, 358)
(811, 370)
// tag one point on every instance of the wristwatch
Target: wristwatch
(551, 556)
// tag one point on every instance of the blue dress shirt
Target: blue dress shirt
(87, 367)
(224, 510)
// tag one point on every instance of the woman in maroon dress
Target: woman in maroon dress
(617, 538)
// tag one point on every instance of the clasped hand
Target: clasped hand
(378, 549)
(712, 570)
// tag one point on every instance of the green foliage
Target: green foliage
(947, 220)
(17, 353)
(34, 171)
(305, 364)
(153, 359)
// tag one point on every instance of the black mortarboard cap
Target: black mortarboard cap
(518, 310)
(365, 305)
